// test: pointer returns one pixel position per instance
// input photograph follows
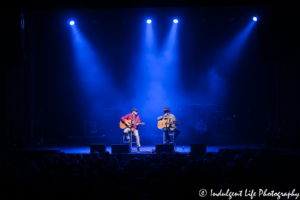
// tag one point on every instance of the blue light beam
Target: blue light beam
(149, 37)
(231, 53)
(225, 64)
(170, 45)
(94, 78)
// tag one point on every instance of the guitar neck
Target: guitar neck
(175, 123)
(142, 123)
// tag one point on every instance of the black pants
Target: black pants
(166, 131)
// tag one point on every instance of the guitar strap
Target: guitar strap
(134, 119)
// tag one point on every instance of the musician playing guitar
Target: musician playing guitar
(135, 120)
(172, 126)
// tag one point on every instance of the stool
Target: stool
(171, 133)
(127, 141)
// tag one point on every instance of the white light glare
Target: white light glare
(149, 21)
(255, 19)
(175, 21)
(72, 22)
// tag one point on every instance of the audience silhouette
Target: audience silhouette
(165, 177)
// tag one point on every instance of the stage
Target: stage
(150, 149)
(183, 151)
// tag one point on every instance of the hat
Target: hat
(134, 109)
(167, 109)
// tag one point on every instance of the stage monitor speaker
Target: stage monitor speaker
(120, 148)
(198, 150)
(101, 148)
(164, 148)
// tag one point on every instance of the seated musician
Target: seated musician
(172, 127)
(135, 119)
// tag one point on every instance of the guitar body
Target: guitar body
(164, 123)
(123, 125)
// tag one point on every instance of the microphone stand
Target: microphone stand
(130, 136)
(167, 131)
(41, 141)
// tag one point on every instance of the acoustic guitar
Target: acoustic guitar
(165, 123)
(123, 125)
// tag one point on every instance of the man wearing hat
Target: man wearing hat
(172, 127)
(135, 119)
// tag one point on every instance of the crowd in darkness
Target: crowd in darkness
(164, 177)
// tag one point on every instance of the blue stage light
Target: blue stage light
(149, 21)
(175, 21)
(255, 19)
(72, 22)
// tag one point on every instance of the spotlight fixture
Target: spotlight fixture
(255, 19)
(175, 21)
(72, 22)
(149, 21)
